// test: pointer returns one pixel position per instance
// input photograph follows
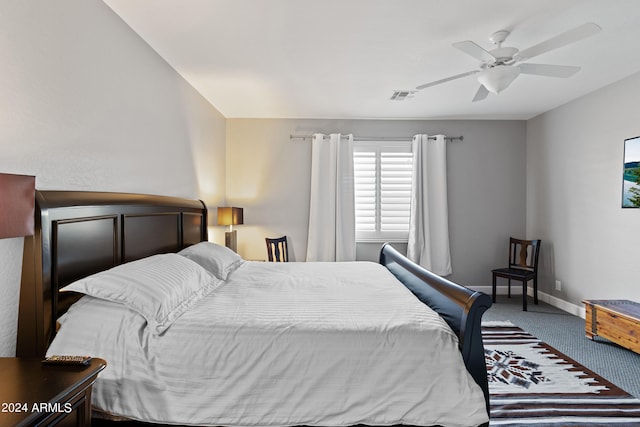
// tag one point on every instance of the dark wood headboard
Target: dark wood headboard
(80, 233)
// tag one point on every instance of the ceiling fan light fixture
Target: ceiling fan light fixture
(498, 78)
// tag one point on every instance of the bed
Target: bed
(80, 234)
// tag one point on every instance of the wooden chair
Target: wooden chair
(277, 249)
(523, 266)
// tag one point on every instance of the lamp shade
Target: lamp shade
(498, 78)
(229, 216)
(17, 203)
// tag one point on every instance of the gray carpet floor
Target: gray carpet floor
(565, 332)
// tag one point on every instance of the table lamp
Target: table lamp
(230, 216)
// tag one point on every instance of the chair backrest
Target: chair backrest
(277, 249)
(524, 254)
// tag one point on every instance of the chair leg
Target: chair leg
(535, 290)
(509, 288)
(494, 288)
(524, 295)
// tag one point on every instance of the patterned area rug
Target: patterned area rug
(533, 384)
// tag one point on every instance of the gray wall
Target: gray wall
(85, 104)
(269, 175)
(574, 189)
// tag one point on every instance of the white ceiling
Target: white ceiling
(344, 58)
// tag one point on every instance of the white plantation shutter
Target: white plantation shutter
(364, 171)
(382, 173)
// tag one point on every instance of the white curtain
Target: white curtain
(429, 224)
(332, 219)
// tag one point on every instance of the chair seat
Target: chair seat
(516, 273)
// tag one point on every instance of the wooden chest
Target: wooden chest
(615, 320)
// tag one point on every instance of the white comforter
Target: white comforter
(283, 344)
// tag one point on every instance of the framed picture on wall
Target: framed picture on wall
(631, 173)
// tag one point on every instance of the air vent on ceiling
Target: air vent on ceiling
(401, 95)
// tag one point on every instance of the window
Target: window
(382, 183)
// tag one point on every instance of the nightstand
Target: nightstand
(35, 394)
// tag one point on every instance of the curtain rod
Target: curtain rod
(381, 138)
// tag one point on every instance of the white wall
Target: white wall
(574, 190)
(268, 174)
(85, 104)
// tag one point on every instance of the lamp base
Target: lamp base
(231, 240)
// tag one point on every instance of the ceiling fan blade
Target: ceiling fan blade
(474, 50)
(571, 36)
(481, 94)
(437, 82)
(549, 70)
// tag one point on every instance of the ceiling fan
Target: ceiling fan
(501, 66)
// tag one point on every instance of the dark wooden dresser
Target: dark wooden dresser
(33, 394)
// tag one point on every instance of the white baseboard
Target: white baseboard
(570, 308)
(563, 305)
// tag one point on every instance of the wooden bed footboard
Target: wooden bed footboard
(461, 307)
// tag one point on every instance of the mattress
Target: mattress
(281, 344)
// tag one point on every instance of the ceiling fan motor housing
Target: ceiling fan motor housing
(504, 55)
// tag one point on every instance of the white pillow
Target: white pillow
(161, 287)
(216, 259)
